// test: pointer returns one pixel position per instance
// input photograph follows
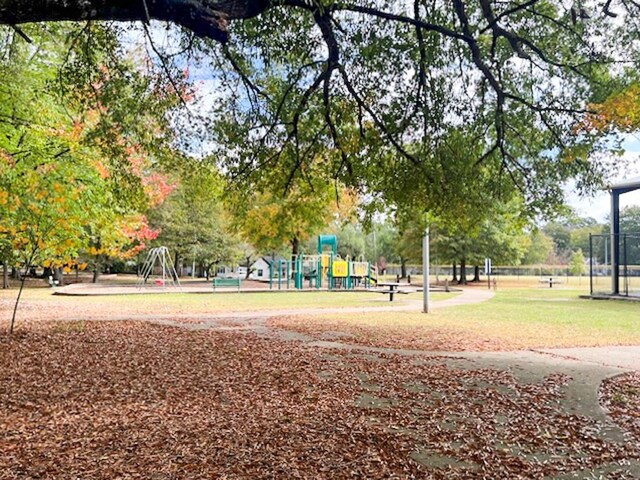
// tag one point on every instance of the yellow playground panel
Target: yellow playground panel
(340, 269)
(326, 260)
(359, 269)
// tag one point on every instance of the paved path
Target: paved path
(622, 357)
(466, 297)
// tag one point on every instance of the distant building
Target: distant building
(261, 268)
(225, 271)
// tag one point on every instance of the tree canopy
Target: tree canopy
(455, 108)
(386, 90)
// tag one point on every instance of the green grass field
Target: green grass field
(515, 318)
(531, 317)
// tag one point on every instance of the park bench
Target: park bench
(550, 281)
(226, 282)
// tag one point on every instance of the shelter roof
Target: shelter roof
(627, 185)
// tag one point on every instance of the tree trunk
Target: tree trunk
(476, 274)
(22, 280)
(5, 274)
(248, 265)
(176, 265)
(47, 272)
(96, 273)
(463, 272)
(455, 274)
(206, 18)
(295, 246)
(403, 267)
(207, 270)
(59, 276)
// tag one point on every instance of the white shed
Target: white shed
(260, 269)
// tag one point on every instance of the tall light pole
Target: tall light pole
(425, 272)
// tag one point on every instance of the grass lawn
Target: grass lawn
(513, 319)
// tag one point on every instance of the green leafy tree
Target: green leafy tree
(351, 241)
(381, 244)
(70, 166)
(570, 232)
(499, 235)
(269, 221)
(383, 87)
(193, 223)
(577, 265)
(539, 248)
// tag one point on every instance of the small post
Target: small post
(425, 272)
(288, 263)
(590, 264)
(487, 271)
(271, 273)
(332, 280)
(626, 271)
(615, 242)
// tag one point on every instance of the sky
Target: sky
(599, 205)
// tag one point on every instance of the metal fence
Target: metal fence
(614, 264)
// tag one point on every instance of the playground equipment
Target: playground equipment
(326, 269)
(159, 259)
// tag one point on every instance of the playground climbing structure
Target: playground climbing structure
(324, 270)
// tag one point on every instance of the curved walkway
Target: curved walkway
(468, 296)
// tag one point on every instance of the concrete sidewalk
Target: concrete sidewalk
(621, 357)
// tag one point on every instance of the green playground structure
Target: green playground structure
(326, 269)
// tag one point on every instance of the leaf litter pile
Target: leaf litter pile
(136, 400)
(424, 337)
(620, 397)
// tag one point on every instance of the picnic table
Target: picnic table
(551, 281)
(391, 289)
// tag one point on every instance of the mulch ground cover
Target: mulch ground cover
(97, 400)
